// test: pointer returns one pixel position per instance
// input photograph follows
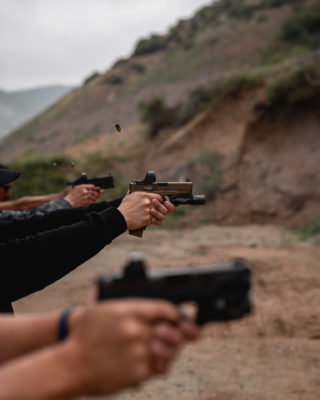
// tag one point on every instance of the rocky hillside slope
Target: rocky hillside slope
(226, 38)
(229, 99)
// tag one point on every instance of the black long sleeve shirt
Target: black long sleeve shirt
(37, 251)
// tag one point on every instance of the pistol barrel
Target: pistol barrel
(196, 200)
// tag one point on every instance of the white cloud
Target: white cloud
(63, 41)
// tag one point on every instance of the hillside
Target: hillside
(19, 106)
(223, 39)
(229, 98)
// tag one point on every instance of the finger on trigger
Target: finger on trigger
(169, 334)
(171, 207)
(160, 207)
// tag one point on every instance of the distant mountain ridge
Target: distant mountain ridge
(17, 107)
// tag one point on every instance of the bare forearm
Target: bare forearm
(104, 340)
(23, 334)
(54, 373)
(28, 202)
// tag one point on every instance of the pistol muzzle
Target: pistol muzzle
(198, 199)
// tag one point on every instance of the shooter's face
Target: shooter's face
(5, 192)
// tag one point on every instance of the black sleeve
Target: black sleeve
(31, 263)
(30, 225)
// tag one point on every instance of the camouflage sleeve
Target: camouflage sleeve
(52, 205)
(45, 208)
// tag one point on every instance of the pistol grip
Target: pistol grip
(137, 232)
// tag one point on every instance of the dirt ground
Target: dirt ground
(272, 354)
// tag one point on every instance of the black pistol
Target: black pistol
(178, 193)
(220, 291)
(103, 182)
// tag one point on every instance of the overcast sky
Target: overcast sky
(44, 42)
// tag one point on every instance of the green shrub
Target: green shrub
(207, 157)
(120, 62)
(41, 176)
(294, 91)
(157, 115)
(151, 45)
(138, 67)
(151, 108)
(113, 79)
(91, 78)
(197, 100)
(174, 34)
(234, 8)
(237, 82)
(299, 34)
(212, 178)
(303, 28)
(310, 230)
(279, 3)
(240, 9)
(207, 167)
(277, 53)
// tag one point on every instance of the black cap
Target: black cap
(8, 175)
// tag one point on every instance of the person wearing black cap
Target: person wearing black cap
(7, 176)
(23, 203)
(81, 195)
(39, 250)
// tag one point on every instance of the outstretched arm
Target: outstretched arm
(28, 202)
(30, 263)
(25, 333)
(35, 261)
(31, 224)
(78, 196)
(140, 337)
(27, 223)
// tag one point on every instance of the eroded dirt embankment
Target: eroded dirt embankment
(269, 170)
(265, 163)
(276, 176)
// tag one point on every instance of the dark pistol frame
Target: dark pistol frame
(221, 291)
(103, 182)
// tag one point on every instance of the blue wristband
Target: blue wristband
(63, 324)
